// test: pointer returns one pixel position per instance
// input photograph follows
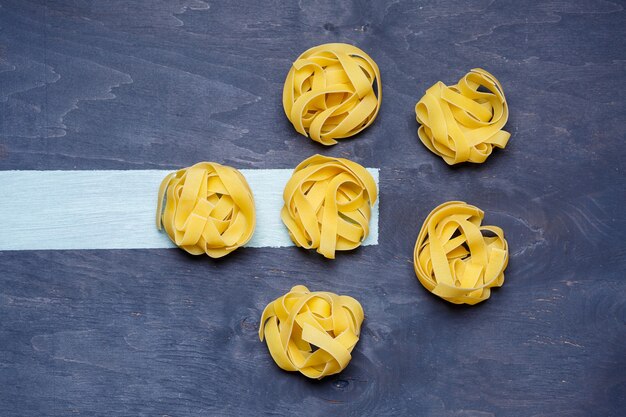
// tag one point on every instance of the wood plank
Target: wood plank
(161, 84)
(101, 209)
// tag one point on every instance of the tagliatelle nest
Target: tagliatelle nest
(328, 204)
(209, 208)
(464, 122)
(332, 91)
(458, 259)
(311, 332)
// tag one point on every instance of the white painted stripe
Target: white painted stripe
(115, 209)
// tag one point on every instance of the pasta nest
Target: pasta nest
(209, 208)
(332, 91)
(328, 204)
(455, 259)
(311, 332)
(464, 122)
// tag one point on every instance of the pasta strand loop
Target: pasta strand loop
(311, 332)
(464, 122)
(332, 91)
(456, 258)
(209, 208)
(328, 204)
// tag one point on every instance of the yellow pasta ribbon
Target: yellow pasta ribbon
(454, 259)
(328, 204)
(332, 91)
(463, 122)
(311, 332)
(209, 208)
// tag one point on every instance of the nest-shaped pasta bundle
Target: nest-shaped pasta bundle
(209, 208)
(458, 259)
(328, 204)
(464, 122)
(311, 332)
(332, 91)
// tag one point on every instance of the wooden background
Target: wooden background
(161, 84)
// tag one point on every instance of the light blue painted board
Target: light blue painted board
(41, 210)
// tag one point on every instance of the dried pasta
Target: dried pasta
(462, 122)
(454, 259)
(332, 91)
(311, 332)
(209, 208)
(328, 204)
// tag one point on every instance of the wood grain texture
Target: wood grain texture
(161, 84)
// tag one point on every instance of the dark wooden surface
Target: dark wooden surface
(163, 84)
